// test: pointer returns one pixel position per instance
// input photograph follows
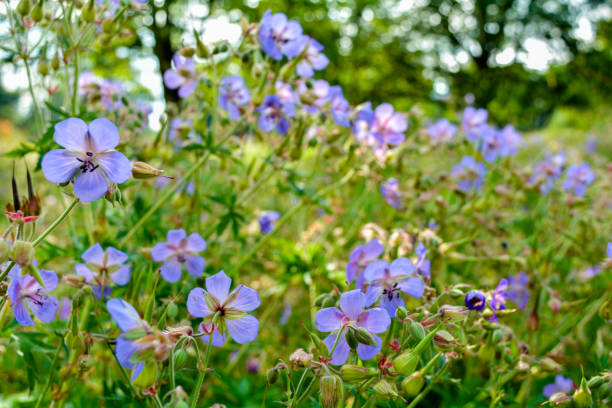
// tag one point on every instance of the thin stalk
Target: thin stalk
(39, 118)
(50, 378)
(75, 99)
(196, 392)
(423, 393)
(298, 388)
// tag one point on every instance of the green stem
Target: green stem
(196, 392)
(171, 192)
(298, 388)
(31, 89)
(423, 393)
(75, 99)
(157, 401)
(287, 216)
(50, 378)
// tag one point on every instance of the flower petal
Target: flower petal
(176, 237)
(115, 257)
(45, 309)
(121, 276)
(94, 255)
(104, 135)
(161, 251)
(373, 292)
(83, 270)
(246, 299)
(90, 186)
(60, 166)
(367, 352)
(22, 314)
(50, 279)
(375, 320)
(195, 243)
(124, 314)
(372, 250)
(218, 285)
(124, 349)
(329, 319)
(116, 166)
(401, 267)
(391, 305)
(72, 134)
(173, 79)
(376, 270)
(196, 303)
(243, 330)
(352, 303)
(171, 270)
(195, 265)
(218, 339)
(342, 350)
(187, 88)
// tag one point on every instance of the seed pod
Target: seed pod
(417, 331)
(385, 390)
(89, 13)
(272, 375)
(406, 363)
(22, 253)
(351, 338)
(330, 387)
(5, 249)
(37, 12)
(412, 385)
(363, 336)
(351, 373)
(180, 356)
(23, 8)
(55, 62)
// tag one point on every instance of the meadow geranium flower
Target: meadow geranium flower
(388, 281)
(180, 249)
(388, 126)
(518, 290)
(224, 312)
(279, 36)
(511, 140)
(285, 93)
(547, 171)
(561, 384)
(89, 155)
(390, 191)
(312, 58)
(26, 293)
(473, 122)
(359, 259)
(498, 298)
(352, 315)
(442, 131)
(578, 176)
(475, 300)
(492, 144)
(609, 250)
(469, 174)
(65, 309)
(422, 265)
(266, 221)
(313, 95)
(274, 113)
(233, 93)
(362, 125)
(102, 266)
(340, 108)
(183, 76)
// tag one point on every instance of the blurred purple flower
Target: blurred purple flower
(26, 293)
(442, 131)
(359, 260)
(362, 125)
(475, 300)
(547, 171)
(183, 76)
(314, 95)
(279, 36)
(561, 384)
(253, 365)
(266, 221)
(389, 280)
(89, 155)
(498, 298)
(101, 266)
(274, 113)
(511, 140)
(390, 191)
(388, 126)
(422, 265)
(340, 108)
(312, 58)
(352, 314)
(180, 249)
(518, 290)
(473, 122)
(65, 308)
(469, 174)
(609, 250)
(233, 93)
(224, 312)
(492, 143)
(285, 93)
(578, 176)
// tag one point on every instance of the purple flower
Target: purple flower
(26, 293)
(266, 221)
(473, 122)
(101, 266)
(65, 308)
(518, 290)
(285, 93)
(233, 93)
(492, 143)
(314, 95)
(224, 312)
(89, 155)
(547, 171)
(442, 131)
(511, 139)
(475, 300)
(274, 113)
(422, 265)
(609, 250)
(127, 318)
(362, 126)
(390, 190)
(578, 176)
(389, 280)
(561, 384)
(183, 76)
(469, 174)
(180, 249)
(498, 298)
(181, 131)
(279, 36)
(351, 315)
(359, 259)
(312, 58)
(591, 272)
(388, 126)
(340, 108)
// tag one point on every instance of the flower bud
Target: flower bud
(417, 331)
(272, 375)
(452, 313)
(300, 358)
(201, 49)
(351, 373)
(444, 340)
(385, 390)
(37, 12)
(550, 365)
(89, 13)
(142, 170)
(23, 7)
(401, 313)
(179, 359)
(187, 52)
(5, 249)
(319, 299)
(456, 293)
(108, 26)
(148, 375)
(412, 385)
(330, 387)
(559, 399)
(329, 301)
(22, 253)
(406, 363)
(351, 338)
(363, 336)
(55, 62)
(582, 396)
(605, 311)
(43, 67)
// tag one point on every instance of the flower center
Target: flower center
(87, 163)
(391, 290)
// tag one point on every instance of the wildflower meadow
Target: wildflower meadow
(253, 235)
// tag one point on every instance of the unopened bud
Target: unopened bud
(351, 373)
(43, 67)
(319, 299)
(108, 26)
(385, 390)
(550, 365)
(142, 170)
(37, 12)
(417, 331)
(23, 7)
(453, 313)
(412, 385)
(605, 311)
(201, 49)
(351, 338)
(22, 253)
(444, 340)
(179, 358)
(187, 52)
(55, 62)
(363, 336)
(272, 375)
(401, 313)
(406, 363)
(148, 375)
(89, 13)
(559, 399)
(300, 358)
(5, 249)
(330, 387)
(456, 293)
